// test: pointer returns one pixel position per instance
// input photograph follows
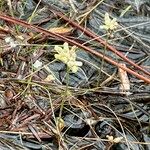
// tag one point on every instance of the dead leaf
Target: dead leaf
(61, 30)
(125, 83)
(9, 94)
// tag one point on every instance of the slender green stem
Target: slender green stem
(66, 92)
(102, 63)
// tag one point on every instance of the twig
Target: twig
(97, 38)
(48, 33)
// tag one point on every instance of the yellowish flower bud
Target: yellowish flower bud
(109, 24)
(68, 57)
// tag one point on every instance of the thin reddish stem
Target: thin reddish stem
(48, 33)
(97, 38)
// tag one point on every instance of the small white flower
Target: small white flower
(8, 39)
(91, 121)
(118, 139)
(114, 140)
(11, 42)
(109, 24)
(110, 138)
(37, 64)
(68, 57)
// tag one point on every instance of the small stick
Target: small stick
(97, 38)
(48, 33)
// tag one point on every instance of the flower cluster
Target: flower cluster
(114, 140)
(109, 24)
(68, 56)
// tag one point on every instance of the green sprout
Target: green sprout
(68, 57)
